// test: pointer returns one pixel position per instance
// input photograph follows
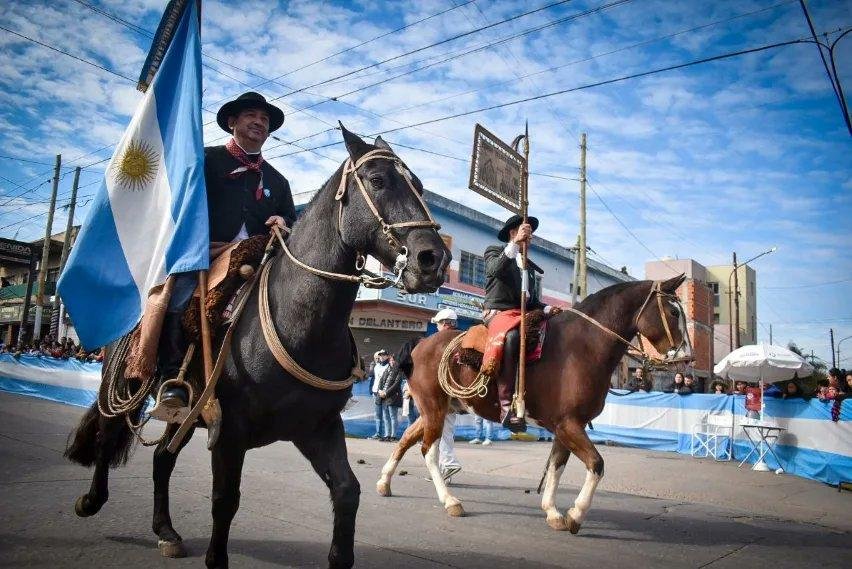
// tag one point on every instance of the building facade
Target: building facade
(721, 282)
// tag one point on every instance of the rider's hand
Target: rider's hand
(524, 233)
(382, 393)
(276, 220)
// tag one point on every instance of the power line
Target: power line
(592, 57)
(72, 56)
(793, 287)
(622, 78)
(465, 53)
(423, 48)
(356, 46)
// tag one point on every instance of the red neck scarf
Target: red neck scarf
(247, 165)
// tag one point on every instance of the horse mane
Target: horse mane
(596, 301)
(332, 182)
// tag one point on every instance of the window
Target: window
(714, 287)
(472, 269)
(52, 275)
(715, 318)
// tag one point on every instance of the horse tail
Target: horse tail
(99, 438)
(82, 446)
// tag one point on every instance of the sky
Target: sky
(740, 154)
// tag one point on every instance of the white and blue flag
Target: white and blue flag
(149, 219)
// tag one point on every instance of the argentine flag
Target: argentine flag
(149, 219)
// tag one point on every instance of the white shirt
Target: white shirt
(378, 371)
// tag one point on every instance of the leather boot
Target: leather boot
(174, 402)
(506, 384)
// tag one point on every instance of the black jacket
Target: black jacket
(231, 202)
(391, 383)
(503, 281)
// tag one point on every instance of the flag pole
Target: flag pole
(520, 404)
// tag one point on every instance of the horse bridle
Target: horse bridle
(657, 292)
(364, 276)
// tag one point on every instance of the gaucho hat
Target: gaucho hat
(513, 222)
(250, 100)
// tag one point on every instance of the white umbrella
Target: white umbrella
(762, 362)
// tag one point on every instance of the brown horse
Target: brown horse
(565, 389)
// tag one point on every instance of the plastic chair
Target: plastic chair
(715, 428)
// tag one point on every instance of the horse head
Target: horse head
(382, 213)
(661, 320)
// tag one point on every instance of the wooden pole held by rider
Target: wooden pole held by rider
(211, 412)
(520, 404)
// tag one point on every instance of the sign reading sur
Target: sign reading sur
(496, 170)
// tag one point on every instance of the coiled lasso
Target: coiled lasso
(479, 387)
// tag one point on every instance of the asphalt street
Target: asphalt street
(285, 515)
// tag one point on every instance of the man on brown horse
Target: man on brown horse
(504, 276)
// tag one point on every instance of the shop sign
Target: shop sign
(464, 303)
(428, 301)
(387, 322)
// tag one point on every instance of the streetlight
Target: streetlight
(838, 349)
(732, 326)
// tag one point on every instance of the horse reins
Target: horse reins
(640, 349)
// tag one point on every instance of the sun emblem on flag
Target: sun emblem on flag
(137, 166)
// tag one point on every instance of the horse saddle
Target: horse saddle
(228, 274)
(482, 347)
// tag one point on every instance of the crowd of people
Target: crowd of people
(837, 386)
(50, 347)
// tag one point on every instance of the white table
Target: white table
(762, 438)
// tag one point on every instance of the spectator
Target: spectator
(390, 393)
(792, 390)
(484, 429)
(676, 385)
(638, 382)
(848, 383)
(689, 385)
(380, 366)
(740, 387)
(719, 388)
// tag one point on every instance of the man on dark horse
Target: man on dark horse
(245, 197)
(503, 276)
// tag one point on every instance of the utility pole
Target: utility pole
(831, 335)
(736, 304)
(42, 270)
(574, 280)
(770, 334)
(55, 317)
(581, 278)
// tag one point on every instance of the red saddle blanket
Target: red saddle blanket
(501, 324)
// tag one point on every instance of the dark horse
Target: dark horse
(565, 389)
(261, 403)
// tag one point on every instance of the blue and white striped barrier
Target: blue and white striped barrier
(813, 446)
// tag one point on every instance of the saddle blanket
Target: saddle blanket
(498, 327)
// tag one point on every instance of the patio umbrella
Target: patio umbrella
(762, 362)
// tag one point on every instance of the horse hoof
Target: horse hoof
(559, 524)
(171, 549)
(455, 511)
(384, 489)
(84, 507)
(573, 526)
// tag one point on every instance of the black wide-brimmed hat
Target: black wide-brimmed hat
(250, 100)
(513, 222)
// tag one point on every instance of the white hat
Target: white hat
(445, 314)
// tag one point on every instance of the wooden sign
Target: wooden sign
(496, 170)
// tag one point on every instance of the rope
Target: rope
(283, 357)
(479, 387)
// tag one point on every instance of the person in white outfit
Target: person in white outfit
(448, 461)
